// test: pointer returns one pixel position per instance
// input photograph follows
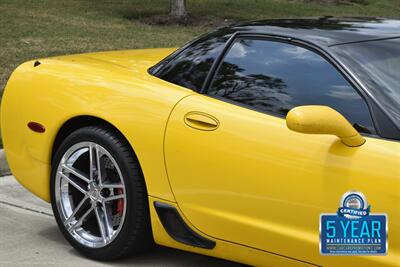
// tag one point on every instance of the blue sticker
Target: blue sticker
(353, 230)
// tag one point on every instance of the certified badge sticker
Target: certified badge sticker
(353, 230)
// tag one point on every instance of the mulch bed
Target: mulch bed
(189, 20)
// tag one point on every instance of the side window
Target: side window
(274, 77)
(191, 66)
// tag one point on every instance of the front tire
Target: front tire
(98, 195)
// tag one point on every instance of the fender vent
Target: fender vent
(178, 229)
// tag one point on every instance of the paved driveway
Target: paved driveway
(29, 236)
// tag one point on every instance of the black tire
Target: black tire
(135, 235)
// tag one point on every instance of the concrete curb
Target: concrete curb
(14, 194)
(4, 169)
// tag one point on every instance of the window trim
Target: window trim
(157, 68)
(306, 45)
(165, 62)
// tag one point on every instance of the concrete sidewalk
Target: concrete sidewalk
(29, 237)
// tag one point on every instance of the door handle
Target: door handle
(201, 121)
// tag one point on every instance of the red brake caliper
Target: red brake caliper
(120, 202)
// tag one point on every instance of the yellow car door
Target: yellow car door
(239, 174)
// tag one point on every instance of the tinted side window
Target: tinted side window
(274, 77)
(190, 67)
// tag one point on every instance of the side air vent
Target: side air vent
(178, 229)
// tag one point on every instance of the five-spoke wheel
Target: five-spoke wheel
(99, 196)
(90, 194)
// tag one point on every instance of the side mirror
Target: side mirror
(323, 120)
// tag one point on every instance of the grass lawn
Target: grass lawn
(38, 28)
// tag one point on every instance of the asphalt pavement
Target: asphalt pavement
(29, 237)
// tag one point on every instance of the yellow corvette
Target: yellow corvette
(240, 145)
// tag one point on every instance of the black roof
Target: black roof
(326, 31)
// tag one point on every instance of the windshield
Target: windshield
(377, 66)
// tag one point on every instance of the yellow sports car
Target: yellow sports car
(270, 143)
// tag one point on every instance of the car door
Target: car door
(239, 174)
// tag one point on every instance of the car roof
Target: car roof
(325, 31)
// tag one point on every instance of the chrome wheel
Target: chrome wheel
(90, 194)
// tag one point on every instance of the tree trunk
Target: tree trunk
(178, 8)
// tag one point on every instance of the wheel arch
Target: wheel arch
(78, 122)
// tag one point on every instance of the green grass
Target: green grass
(38, 28)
